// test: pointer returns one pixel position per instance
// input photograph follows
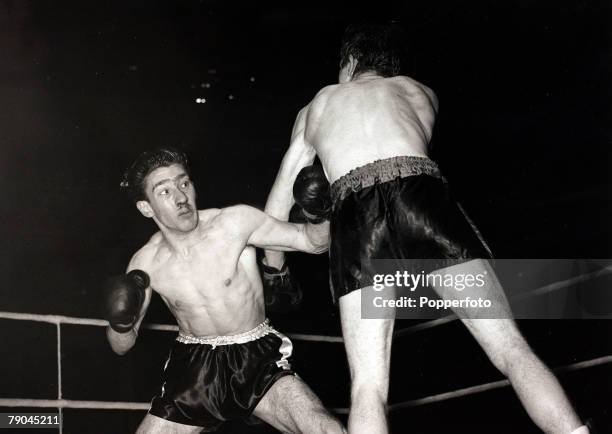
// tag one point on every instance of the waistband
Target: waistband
(258, 332)
(381, 171)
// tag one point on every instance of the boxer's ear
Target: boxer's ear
(145, 208)
(352, 64)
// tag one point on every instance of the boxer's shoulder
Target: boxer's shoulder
(206, 215)
(144, 257)
(318, 104)
(415, 87)
(227, 224)
(325, 93)
(231, 217)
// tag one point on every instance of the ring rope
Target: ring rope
(70, 403)
(108, 405)
(546, 289)
(493, 385)
(62, 319)
(59, 371)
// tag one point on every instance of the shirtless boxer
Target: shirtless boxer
(227, 362)
(371, 132)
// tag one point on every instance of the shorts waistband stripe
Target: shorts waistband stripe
(258, 332)
(381, 171)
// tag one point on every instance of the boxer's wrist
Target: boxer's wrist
(314, 219)
(318, 236)
(271, 271)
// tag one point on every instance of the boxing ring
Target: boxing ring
(61, 403)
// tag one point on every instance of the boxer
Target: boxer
(371, 132)
(227, 362)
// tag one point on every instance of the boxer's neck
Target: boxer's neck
(366, 75)
(181, 242)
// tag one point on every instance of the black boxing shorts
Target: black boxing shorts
(207, 381)
(396, 208)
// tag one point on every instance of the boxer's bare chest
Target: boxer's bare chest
(200, 274)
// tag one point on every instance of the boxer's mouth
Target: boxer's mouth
(185, 211)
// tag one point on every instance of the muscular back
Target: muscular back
(212, 287)
(368, 119)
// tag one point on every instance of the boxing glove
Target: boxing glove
(125, 296)
(281, 292)
(311, 192)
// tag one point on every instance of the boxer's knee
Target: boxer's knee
(370, 389)
(329, 424)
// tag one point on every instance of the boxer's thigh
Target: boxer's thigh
(367, 342)
(484, 286)
(153, 425)
(291, 406)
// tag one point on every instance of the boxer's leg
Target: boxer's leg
(291, 407)
(154, 425)
(536, 386)
(368, 349)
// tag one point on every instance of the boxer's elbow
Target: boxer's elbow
(319, 249)
(317, 236)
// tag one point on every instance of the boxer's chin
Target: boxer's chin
(187, 222)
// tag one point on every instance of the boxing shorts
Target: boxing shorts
(207, 381)
(397, 208)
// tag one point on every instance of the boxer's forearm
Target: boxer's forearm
(317, 236)
(275, 259)
(278, 206)
(121, 343)
(281, 200)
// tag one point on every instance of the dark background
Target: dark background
(523, 135)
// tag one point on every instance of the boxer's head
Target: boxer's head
(370, 48)
(158, 181)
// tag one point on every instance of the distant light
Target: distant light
(252, 79)
(212, 71)
(200, 100)
(133, 67)
(230, 97)
(205, 85)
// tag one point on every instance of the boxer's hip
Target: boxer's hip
(207, 381)
(380, 172)
(397, 208)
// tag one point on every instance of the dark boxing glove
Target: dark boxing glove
(311, 193)
(296, 215)
(281, 292)
(125, 296)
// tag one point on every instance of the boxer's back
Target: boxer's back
(368, 119)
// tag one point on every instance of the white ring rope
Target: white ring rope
(107, 405)
(61, 403)
(494, 385)
(546, 289)
(61, 319)
(59, 371)
(70, 403)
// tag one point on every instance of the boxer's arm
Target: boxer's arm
(121, 343)
(258, 229)
(280, 199)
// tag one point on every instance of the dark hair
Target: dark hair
(134, 177)
(375, 47)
